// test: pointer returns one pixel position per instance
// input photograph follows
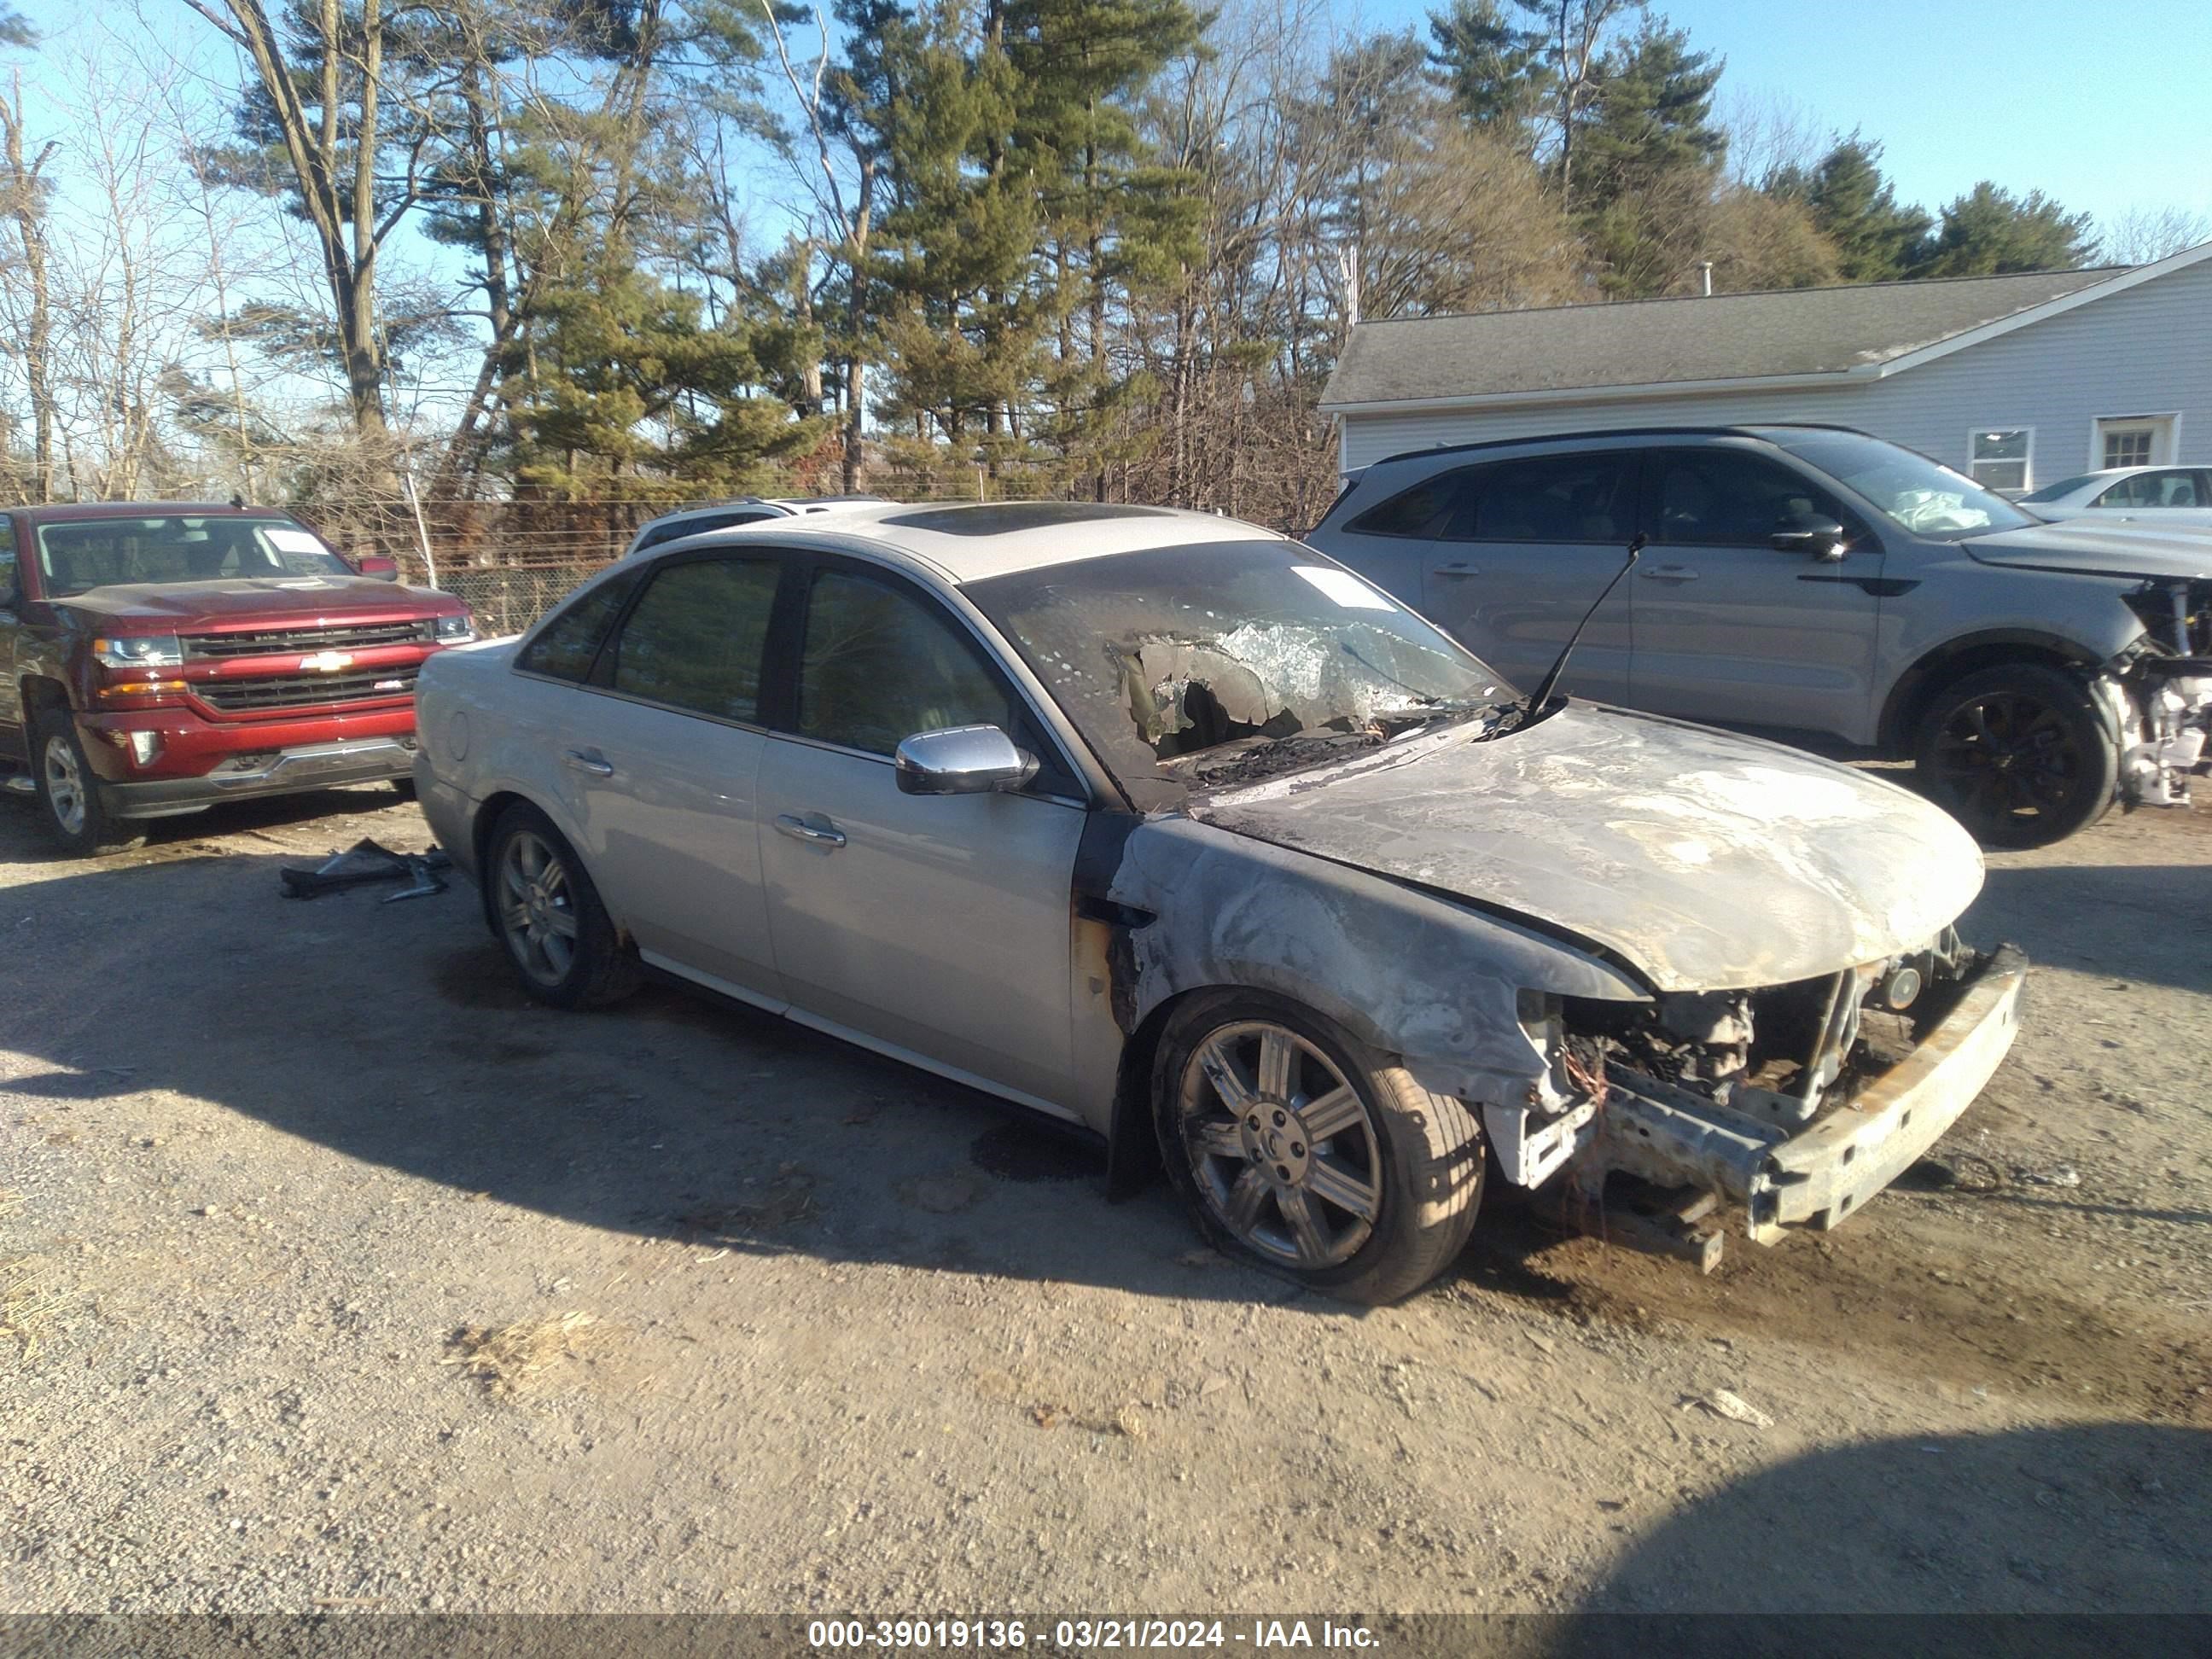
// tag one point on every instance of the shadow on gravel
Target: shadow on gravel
(2138, 922)
(2095, 1518)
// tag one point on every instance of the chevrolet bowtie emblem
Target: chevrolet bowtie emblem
(326, 662)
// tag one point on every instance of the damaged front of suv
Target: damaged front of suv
(1681, 978)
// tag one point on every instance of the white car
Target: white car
(2166, 497)
(1175, 828)
(728, 515)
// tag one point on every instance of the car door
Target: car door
(1529, 545)
(940, 927)
(1728, 626)
(661, 764)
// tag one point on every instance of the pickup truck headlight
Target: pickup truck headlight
(451, 630)
(142, 651)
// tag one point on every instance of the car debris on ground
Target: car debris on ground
(368, 861)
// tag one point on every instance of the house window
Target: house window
(2134, 441)
(2001, 458)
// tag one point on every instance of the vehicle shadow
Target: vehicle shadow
(2083, 1519)
(2140, 923)
(397, 1035)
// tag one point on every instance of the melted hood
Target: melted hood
(2122, 550)
(1706, 860)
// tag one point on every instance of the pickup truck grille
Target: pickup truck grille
(308, 690)
(283, 641)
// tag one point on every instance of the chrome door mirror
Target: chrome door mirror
(1811, 532)
(962, 760)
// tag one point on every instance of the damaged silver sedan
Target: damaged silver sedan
(1175, 830)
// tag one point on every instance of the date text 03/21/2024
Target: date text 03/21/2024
(1086, 1635)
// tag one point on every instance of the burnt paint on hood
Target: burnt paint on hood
(1706, 860)
(2124, 552)
(184, 605)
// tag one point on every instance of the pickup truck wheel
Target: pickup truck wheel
(1299, 1149)
(69, 790)
(2019, 754)
(564, 946)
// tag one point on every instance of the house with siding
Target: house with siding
(2021, 380)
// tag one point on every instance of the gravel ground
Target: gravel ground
(336, 1276)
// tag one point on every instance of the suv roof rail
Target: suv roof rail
(1749, 429)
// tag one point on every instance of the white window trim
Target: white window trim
(2028, 461)
(2171, 417)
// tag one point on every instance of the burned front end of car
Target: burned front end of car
(1781, 1107)
(2158, 694)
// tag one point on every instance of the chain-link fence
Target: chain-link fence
(507, 598)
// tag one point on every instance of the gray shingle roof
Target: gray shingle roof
(1727, 337)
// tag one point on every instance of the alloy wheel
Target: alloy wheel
(2007, 756)
(1282, 1147)
(537, 908)
(64, 786)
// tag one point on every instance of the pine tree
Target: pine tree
(1875, 238)
(1491, 69)
(1989, 232)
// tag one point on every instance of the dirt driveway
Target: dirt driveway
(337, 1275)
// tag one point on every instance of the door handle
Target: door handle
(824, 834)
(588, 759)
(1458, 567)
(1668, 573)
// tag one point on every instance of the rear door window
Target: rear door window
(1423, 510)
(696, 639)
(565, 647)
(1553, 498)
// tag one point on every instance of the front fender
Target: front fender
(1411, 975)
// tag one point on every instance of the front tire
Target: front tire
(1300, 1149)
(69, 790)
(2020, 754)
(542, 907)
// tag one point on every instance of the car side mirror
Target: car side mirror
(962, 760)
(1810, 532)
(378, 568)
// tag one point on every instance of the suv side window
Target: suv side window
(565, 647)
(1730, 498)
(9, 574)
(695, 638)
(1552, 498)
(1422, 511)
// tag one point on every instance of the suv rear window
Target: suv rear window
(1425, 510)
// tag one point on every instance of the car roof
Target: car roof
(1763, 431)
(57, 512)
(974, 541)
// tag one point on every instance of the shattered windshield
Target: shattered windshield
(1181, 663)
(1913, 492)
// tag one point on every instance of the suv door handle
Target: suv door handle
(824, 834)
(1458, 567)
(588, 759)
(1668, 573)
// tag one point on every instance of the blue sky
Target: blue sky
(2107, 110)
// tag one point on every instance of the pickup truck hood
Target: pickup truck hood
(2129, 552)
(182, 607)
(1705, 861)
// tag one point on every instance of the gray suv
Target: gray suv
(1820, 581)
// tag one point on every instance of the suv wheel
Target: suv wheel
(564, 946)
(69, 790)
(2019, 754)
(1301, 1150)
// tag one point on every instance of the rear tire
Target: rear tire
(69, 790)
(1300, 1149)
(2020, 754)
(563, 946)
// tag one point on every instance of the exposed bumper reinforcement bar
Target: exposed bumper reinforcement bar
(1818, 1177)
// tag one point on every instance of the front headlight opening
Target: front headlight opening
(456, 628)
(140, 651)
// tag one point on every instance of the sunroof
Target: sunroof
(1002, 518)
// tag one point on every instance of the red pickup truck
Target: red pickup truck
(161, 657)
